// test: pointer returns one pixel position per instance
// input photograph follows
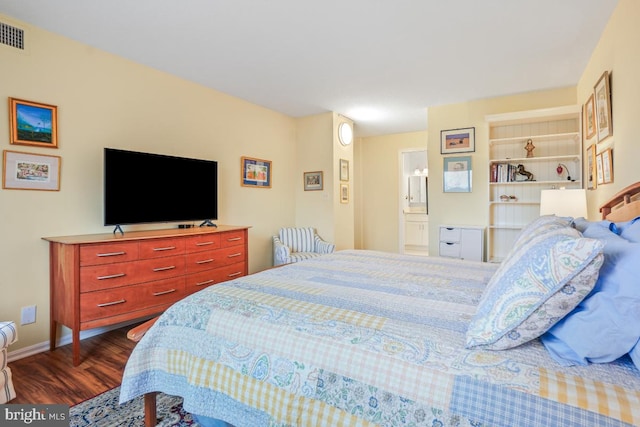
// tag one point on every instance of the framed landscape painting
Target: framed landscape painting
(32, 123)
(27, 171)
(458, 140)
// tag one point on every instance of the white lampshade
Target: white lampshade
(564, 202)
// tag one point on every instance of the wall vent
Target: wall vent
(11, 36)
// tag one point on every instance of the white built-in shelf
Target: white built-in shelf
(567, 158)
(537, 138)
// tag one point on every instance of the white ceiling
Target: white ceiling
(378, 62)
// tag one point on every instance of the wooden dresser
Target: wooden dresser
(104, 279)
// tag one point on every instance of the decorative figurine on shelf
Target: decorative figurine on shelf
(529, 147)
(522, 171)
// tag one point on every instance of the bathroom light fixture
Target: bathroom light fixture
(345, 134)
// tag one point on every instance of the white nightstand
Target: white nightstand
(464, 242)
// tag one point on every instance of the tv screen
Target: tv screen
(146, 188)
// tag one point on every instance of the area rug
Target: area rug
(105, 411)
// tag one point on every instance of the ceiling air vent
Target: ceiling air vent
(11, 36)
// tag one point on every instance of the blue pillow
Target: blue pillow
(631, 230)
(606, 324)
(635, 355)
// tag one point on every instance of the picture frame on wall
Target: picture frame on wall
(607, 166)
(28, 171)
(344, 193)
(255, 172)
(599, 169)
(344, 170)
(461, 140)
(591, 168)
(589, 118)
(602, 93)
(313, 181)
(457, 174)
(33, 123)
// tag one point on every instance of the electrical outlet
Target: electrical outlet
(28, 315)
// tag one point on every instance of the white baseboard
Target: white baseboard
(64, 340)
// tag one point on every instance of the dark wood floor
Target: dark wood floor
(50, 377)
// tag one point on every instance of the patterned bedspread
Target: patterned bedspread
(360, 338)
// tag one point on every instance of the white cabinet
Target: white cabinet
(514, 198)
(416, 232)
(462, 242)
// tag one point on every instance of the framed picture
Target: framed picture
(27, 171)
(599, 170)
(457, 141)
(604, 123)
(32, 123)
(589, 118)
(344, 170)
(591, 167)
(457, 174)
(607, 166)
(255, 172)
(313, 181)
(344, 193)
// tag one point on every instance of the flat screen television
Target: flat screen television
(149, 188)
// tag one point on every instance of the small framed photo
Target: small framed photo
(313, 181)
(607, 166)
(344, 170)
(457, 174)
(599, 169)
(32, 123)
(458, 140)
(589, 118)
(591, 168)
(604, 123)
(344, 193)
(27, 171)
(255, 172)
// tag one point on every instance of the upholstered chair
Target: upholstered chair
(8, 335)
(297, 244)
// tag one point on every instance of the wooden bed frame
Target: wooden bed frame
(623, 206)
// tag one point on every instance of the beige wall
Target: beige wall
(379, 188)
(107, 101)
(618, 52)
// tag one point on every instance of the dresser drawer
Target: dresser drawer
(201, 280)
(98, 277)
(156, 248)
(449, 249)
(230, 272)
(232, 238)
(449, 234)
(205, 242)
(160, 268)
(113, 302)
(107, 253)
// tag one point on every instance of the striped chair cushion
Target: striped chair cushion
(298, 239)
(7, 392)
(8, 334)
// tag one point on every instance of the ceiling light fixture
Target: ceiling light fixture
(345, 133)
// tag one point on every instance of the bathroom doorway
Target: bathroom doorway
(413, 222)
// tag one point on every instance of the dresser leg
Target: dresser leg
(53, 329)
(75, 336)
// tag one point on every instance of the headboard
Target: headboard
(624, 206)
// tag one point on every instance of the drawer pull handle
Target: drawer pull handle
(238, 273)
(206, 282)
(107, 304)
(157, 294)
(449, 243)
(205, 261)
(168, 248)
(204, 243)
(112, 254)
(234, 255)
(112, 276)
(234, 239)
(448, 228)
(171, 267)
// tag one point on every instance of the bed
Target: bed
(363, 338)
